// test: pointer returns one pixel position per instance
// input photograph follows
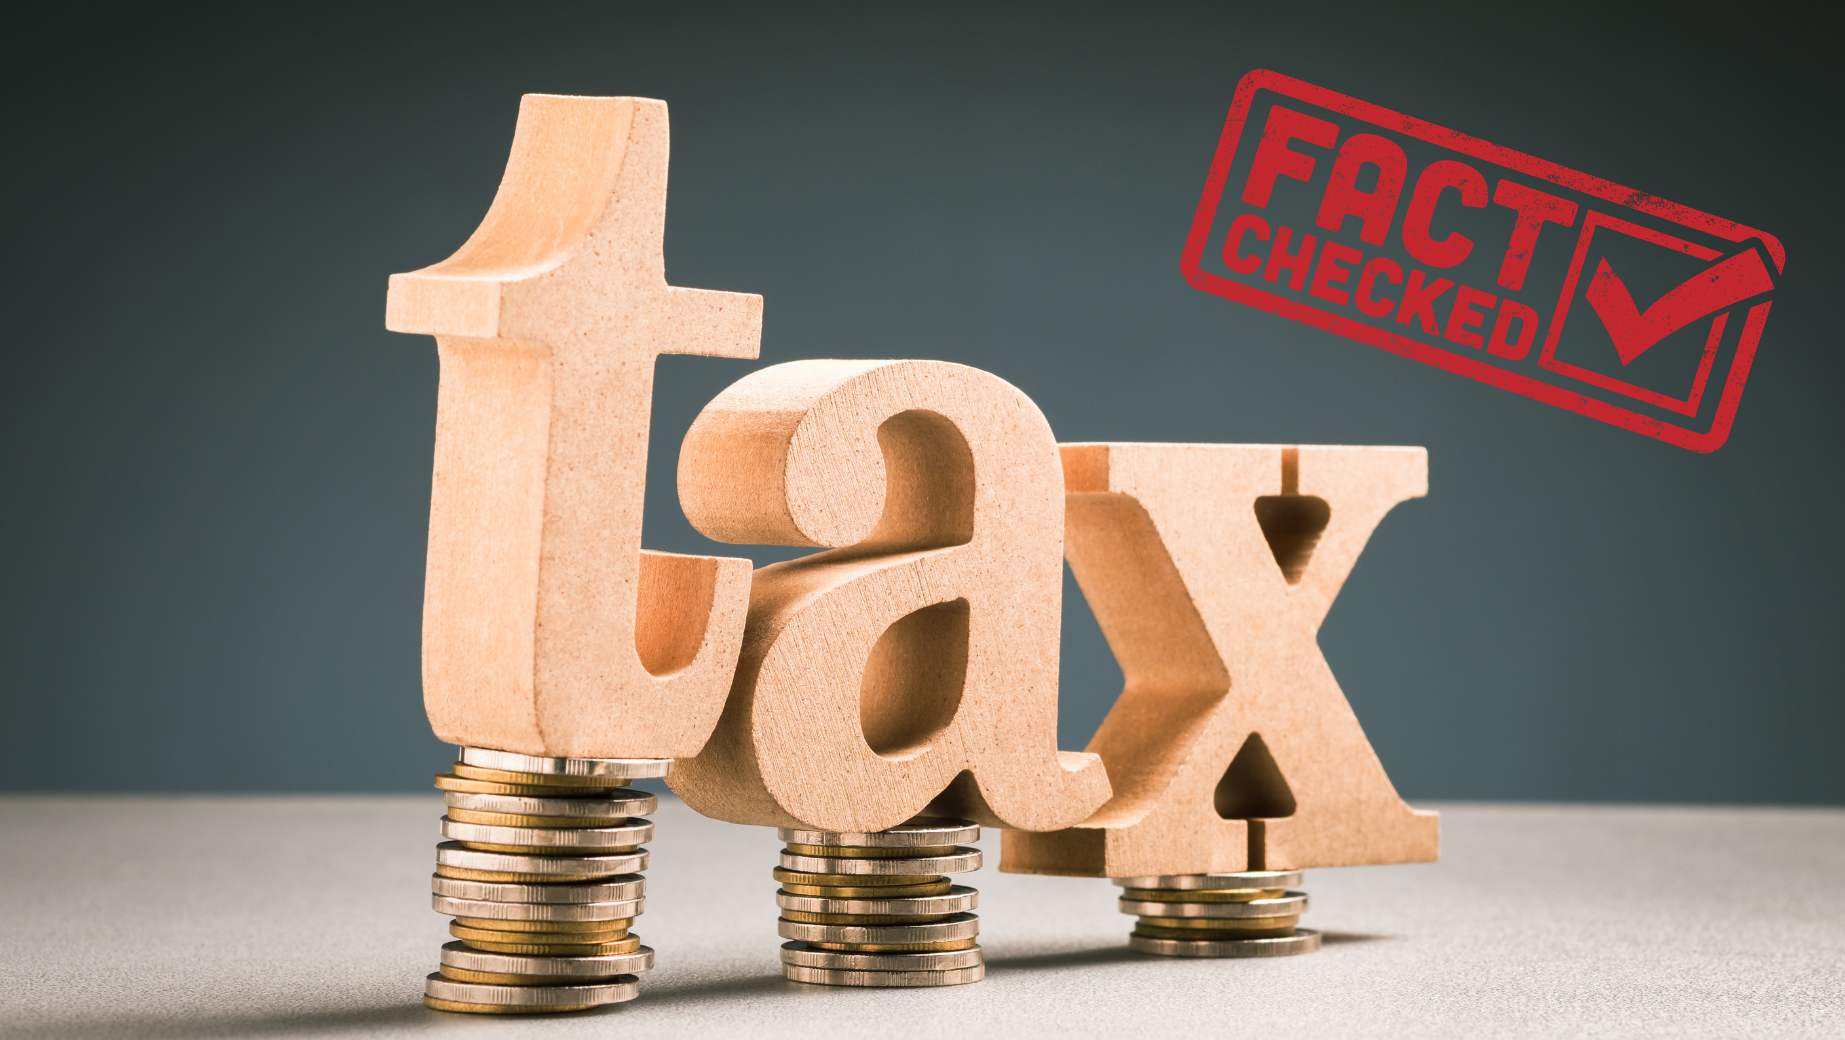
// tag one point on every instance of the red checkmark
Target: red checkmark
(1735, 279)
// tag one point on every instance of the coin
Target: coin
(1161, 932)
(620, 768)
(853, 853)
(922, 947)
(493, 819)
(542, 931)
(962, 859)
(959, 926)
(614, 991)
(492, 1009)
(1202, 895)
(957, 899)
(552, 914)
(621, 886)
(519, 866)
(1292, 903)
(451, 782)
(921, 831)
(566, 784)
(458, 956)
(812, 918)
(939, 888)
(1222, 924)
(1244, 880)
(839, 977)
(627, 837)
(814, 957)
(629, 803)
(551, 949)
(798, 877)
(1304, 940)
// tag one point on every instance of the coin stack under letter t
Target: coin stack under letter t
(539, 873)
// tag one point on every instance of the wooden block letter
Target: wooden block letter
(546, 629)
(1210, 568)
(917, 658)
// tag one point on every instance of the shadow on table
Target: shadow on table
(1336, 938)
(281, 1024)
(1001, 961)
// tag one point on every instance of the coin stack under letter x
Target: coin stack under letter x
(874, 909)
(539, 873)
(1251, 914)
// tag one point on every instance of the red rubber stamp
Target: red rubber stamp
(1480, 260)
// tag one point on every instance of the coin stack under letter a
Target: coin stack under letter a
(1251, 914)
(874, 909)
(539, 873)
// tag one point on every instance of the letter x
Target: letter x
(1210, 568)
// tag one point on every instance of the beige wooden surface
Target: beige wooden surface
(919, 655)
(546, 629)
(148, 918)
(1210, 568)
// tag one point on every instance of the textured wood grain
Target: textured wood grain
(915, 662)
(1210, 568)
(546, 629)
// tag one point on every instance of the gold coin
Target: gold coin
(499, 1009)
(494, 819)
(451, 782)
(501, 979)
(550, 949)
(501, 776)
(922, 947)
(799, 877)
(854, 852)
(810, 918)
(510, 877)
(618, 926)
(548, 850)
(939, 888)
(1224, 924)
(1207, 895)
(1204, 935)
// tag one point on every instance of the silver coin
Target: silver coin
(618, 768)
(1304, 940)
(639, 803)
(614, 991)
(958, 900)
(455, 854)
(836, 977)
(936, 960)
(458, 955)
(922, 831)
(1245, 880)
(621, 886)
(489, 911)
(960, 926)
(1290, 904)
(631, 832)
(959, 861)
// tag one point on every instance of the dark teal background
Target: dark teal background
(216, 464)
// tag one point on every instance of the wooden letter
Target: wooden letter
(919, 657)
(1210, 568)
(546, 629)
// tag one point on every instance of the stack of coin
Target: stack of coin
(1251, 914)
(874, 909)
(539, 874)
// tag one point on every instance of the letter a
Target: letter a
(546, 629)
(919, 657)
(1210, 568)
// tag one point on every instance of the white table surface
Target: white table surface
(153, 917)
